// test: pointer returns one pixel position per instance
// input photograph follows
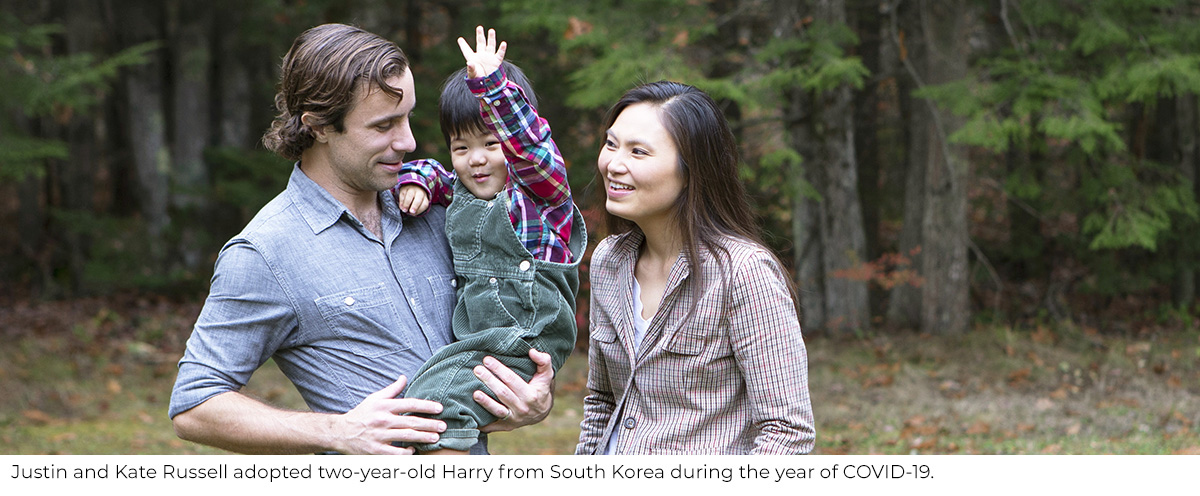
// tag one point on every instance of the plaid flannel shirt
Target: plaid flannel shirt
(539, 197)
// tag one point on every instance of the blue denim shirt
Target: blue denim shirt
(342, 312)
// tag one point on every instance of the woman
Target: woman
(695, 341)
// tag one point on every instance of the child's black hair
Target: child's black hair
(458, 109)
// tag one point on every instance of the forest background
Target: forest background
(1018, 173)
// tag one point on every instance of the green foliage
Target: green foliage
(21, 156)
(34, 83)
(245, 179)
(1133, 212)
(613, 45)
(1036, 95)
(815, 61)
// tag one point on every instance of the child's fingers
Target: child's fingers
(467, 52)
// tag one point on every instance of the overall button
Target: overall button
(524, 265)
(348, 301)
(492, 280)
(454, 283)
(630, 422)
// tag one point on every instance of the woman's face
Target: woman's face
(640, 166)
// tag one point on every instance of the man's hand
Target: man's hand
(412, 199)
(486, 57)
(521, 403)
(374, 424)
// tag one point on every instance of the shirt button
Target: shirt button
(524, 265)
(492, 280)
(489, 204)
(454, 283)
(348, 301)
(412, 302)
(630, 422)
(496, 103)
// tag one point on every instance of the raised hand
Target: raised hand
(486, 57)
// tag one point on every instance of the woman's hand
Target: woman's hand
(520, 403)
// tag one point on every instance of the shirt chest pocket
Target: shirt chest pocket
(364, 320)
(706, 344)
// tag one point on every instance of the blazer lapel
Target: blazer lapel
(672, 296)
(623, 320)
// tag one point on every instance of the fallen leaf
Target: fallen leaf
(37, 417)
(66, 436)
(1036, 359)
(1019, 376)
(113, 386)
(1043, 335)
(1193, 450)
(1073, 429)
(884, 380)
(923, 444)
(1053, 449)
(1137, 348)
(979, 427)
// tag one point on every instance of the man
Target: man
(329, 279)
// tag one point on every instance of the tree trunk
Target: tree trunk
(83, 133)
(866, 22)
(234, 92)
(810, 271)
(144, 85)
(846, 302)
(1188, 126)
(935, 220)
(190, 49)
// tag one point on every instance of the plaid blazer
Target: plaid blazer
(730, 378)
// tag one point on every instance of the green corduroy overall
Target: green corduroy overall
(508, 302)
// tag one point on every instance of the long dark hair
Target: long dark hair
(713, 203)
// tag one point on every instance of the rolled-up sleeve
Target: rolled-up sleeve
(771, 355)
(246, 317)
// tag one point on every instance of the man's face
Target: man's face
(367, 155)
(479, 162)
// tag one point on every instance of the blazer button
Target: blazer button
(630, 422)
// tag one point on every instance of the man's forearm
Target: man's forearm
(238, 423)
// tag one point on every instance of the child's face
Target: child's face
(479, 162)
